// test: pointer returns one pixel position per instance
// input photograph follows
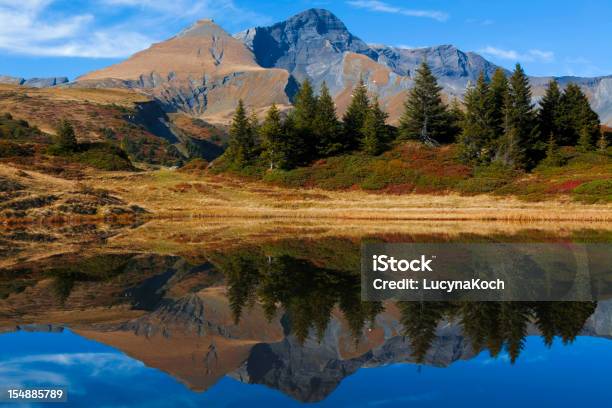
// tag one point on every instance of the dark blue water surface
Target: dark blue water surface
(100, 376)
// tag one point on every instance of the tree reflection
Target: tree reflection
(495, 326)
(307, 291)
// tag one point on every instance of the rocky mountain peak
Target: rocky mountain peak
(203, 28)
(315, 35)
(322, 20)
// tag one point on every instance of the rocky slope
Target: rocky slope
(202, 71)
(33, 82)
(315, 44)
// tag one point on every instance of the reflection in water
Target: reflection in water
(308, 295)
(286, 313)
(494, 325)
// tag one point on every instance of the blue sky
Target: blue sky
(71, 37)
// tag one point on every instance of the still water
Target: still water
(163, 317)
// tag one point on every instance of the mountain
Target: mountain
(202, 71)
(33, 82)
(598, 90)
(316, 45)
(453, 67)
(308, 45)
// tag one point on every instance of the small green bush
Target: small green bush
(594, 191)
(104, 156)
(11, 149)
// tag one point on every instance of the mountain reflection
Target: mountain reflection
(286, 313)
(307, 294)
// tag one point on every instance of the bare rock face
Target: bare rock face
(5, 79)
(202, 71)
(33, 82)
(309, 45)
(316, 45)
(454, 68)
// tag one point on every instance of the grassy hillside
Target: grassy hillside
(23, 144)
(97, 116)
(415, 168)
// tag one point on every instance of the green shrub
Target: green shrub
(104, 156)
(11, 149)
(292, 178)
(594, 191)
(487, 179)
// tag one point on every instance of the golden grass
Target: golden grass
(123, 97)
(172, 194)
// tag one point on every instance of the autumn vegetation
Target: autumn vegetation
(495, 141)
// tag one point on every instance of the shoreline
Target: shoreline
(174, 195)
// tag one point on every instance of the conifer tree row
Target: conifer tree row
(311, 130)
(498, 122)
(502, 124)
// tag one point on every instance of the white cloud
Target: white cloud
(380, 6)
(529, 56)
(36, 27)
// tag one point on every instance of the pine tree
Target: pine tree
(303, 117)
(457, 118)
(576, 115)
(425, 116)
(273, 139)
(65, 137)
(549, 114)
(293, 144)
(519, 141)
(499, 93)
(241, 137)
(326, 126)
(374, 130)
(355, 115)
(553, 158)
(479, 128)
(305, 106)
(585, 140)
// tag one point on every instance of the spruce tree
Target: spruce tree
(326, 126)
(479, 128)
(585, 140)
(374, 130)
(241, 137)
(355, 115)
(65, 137)
(305, 106)
(519, 142)
(303, 117)
(425, 116)
(457, 118)
(550, 109)
(499, 92)
(293, 144)
(576, 116)
(272, 137)
(553, 158)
